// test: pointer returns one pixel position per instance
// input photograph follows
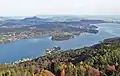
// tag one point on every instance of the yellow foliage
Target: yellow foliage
(46, 73)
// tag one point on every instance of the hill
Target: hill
(98, 60)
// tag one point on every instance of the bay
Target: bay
(27, 48)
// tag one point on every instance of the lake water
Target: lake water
(35, 47)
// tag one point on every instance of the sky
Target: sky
(58, 7)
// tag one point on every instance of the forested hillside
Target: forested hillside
(102, 59)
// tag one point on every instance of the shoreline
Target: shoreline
(52, 37)
(113, 40)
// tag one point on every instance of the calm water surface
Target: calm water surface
(36, 46)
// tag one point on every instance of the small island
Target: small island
(61, 37)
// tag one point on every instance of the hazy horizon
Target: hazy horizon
(58, 7)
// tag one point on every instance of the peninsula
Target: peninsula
(30, 27)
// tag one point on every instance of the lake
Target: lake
(34, 47)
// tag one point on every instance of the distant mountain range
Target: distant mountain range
(37, 21)
(33, 19)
